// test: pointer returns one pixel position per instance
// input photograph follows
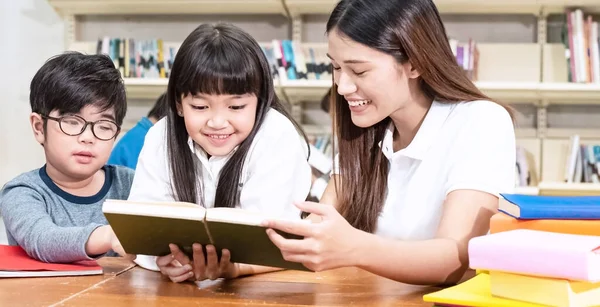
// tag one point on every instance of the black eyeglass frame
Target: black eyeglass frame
(85, 125)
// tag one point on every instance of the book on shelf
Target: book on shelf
(581, 40)
(544, 291)
(467, 56)
(291, 60)
(537, 253)
(150, 58)
(550, 207)
(522, 172)
(147, 228)
(14, 262)
(583, 162)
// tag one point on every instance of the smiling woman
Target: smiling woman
(423, 154)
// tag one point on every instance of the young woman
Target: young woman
(423, 154)
(226, 142)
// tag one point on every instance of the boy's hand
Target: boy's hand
(102, 240)
(116, 246)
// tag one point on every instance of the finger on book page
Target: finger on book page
(315, 208)
(288, 245)
(302, 228)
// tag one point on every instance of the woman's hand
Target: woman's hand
(178, 266)
(328, 244)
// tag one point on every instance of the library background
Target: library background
(541, 56)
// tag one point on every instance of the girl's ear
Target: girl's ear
(410, 71)
(37, 125)
(179, 109)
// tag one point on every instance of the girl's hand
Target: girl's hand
(178, 267)
(329, 244)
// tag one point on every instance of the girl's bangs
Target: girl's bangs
(221, 71)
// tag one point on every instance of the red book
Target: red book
(14, 262)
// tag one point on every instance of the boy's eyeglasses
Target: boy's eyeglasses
(75, 125)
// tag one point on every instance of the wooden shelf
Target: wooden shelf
(298, 7)
(568, 189)
(149, 7)
(516, 92)
(527, 190)
(316, 129)
(558, 6)
(141, 88)
(570, 93)
(566, 133)
(314, 90)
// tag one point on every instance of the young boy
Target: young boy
(128, 149)
(55, 212)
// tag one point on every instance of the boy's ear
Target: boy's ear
(37, 125)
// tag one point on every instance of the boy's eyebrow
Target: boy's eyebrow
(350, 61)
(108, 116)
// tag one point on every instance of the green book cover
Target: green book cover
(147, 228)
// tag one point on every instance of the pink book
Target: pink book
(538, 253)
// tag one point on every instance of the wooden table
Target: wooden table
(126, 285)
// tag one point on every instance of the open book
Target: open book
(14, 262)
(147, 228)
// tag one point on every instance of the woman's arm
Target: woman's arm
(442, 260)
(333, 242)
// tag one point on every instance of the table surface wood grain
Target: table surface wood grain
(124, 284)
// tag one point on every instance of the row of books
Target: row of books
(541, 251)
(583, 162)
(467, 56)
(580, 37)
(321, 153)
(522, 171)
(139, 58)
(291, 60)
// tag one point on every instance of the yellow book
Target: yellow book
(474, 292)
(547, 291)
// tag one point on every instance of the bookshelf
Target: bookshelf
(156, 7)
(532, 74)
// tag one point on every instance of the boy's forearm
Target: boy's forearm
(99, 241)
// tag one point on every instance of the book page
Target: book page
(239, 216)
(176, 210)
(235, 216)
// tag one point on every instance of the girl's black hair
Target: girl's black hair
(214, 60)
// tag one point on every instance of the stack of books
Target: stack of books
(541, 251)
(14, 262)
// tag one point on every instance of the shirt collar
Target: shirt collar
(426, 135)
(201, 154)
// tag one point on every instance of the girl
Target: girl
(423, 154)
(227, 141)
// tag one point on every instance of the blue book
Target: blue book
(550, 207)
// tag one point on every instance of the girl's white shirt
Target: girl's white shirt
(276, 172)
(467, 145)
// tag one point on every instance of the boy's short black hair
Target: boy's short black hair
(160, 108)
(70, 81)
